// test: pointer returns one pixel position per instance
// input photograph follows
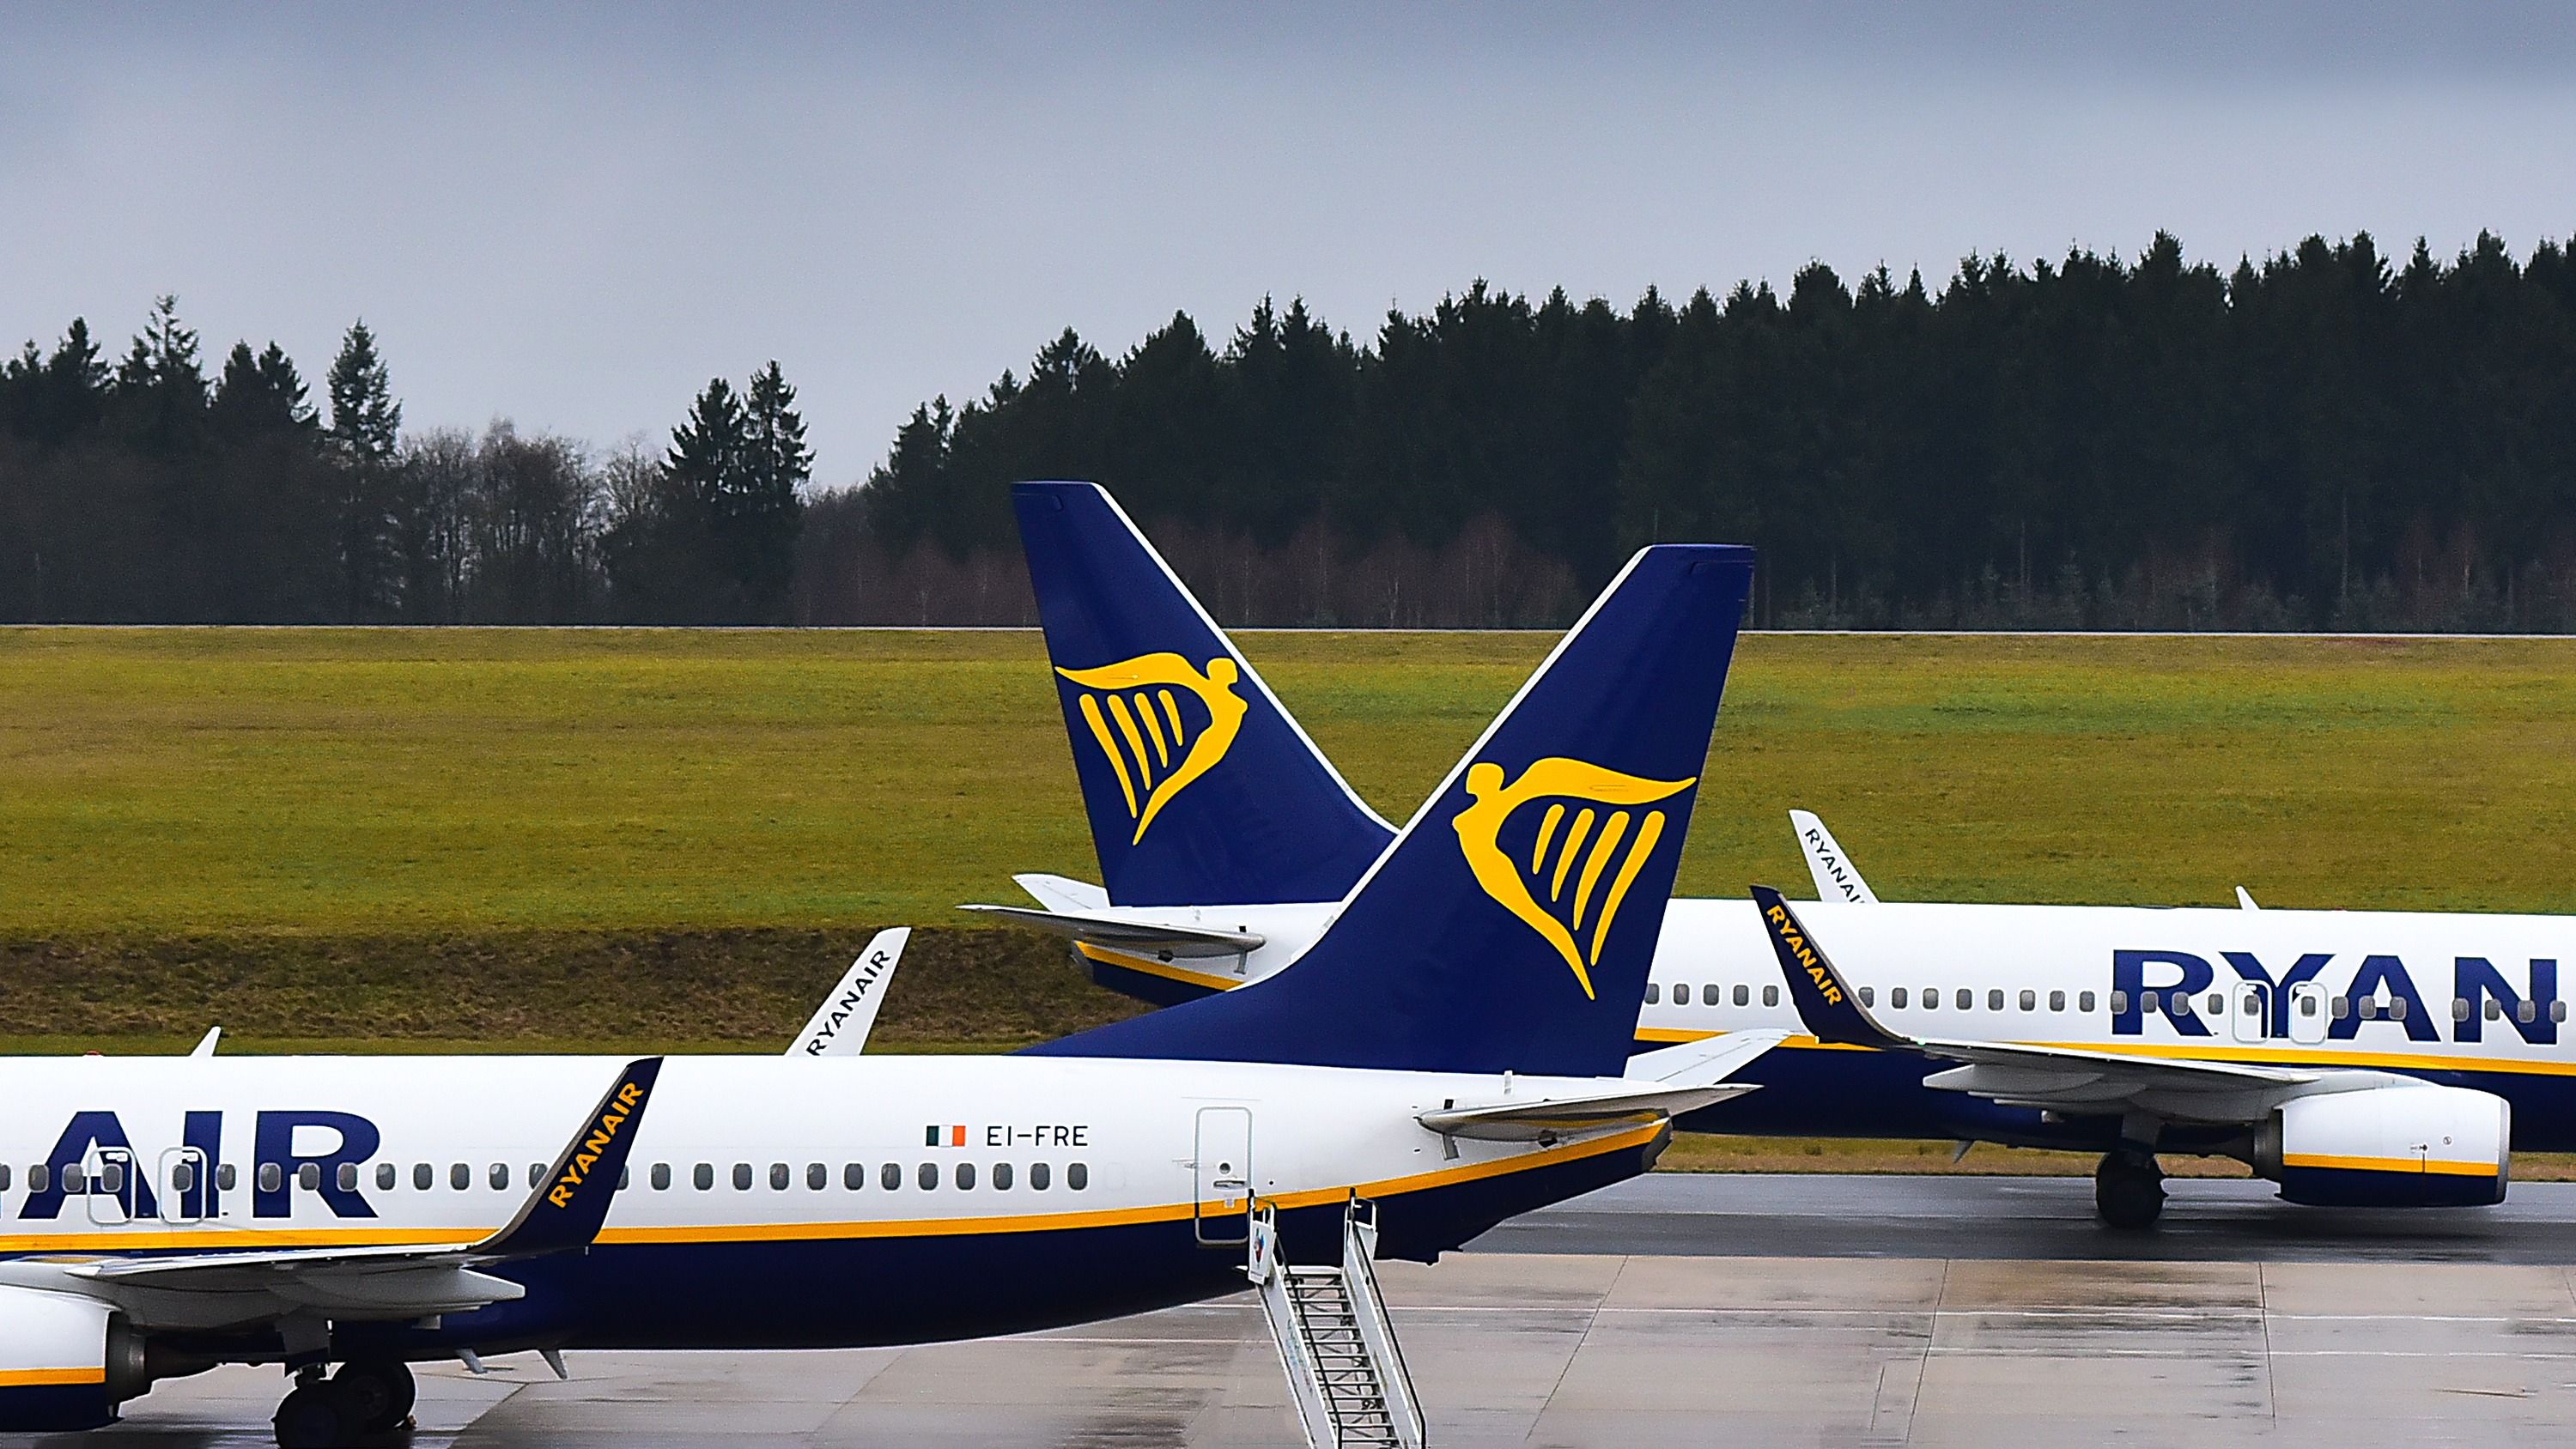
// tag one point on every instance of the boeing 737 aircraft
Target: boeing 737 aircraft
(1221, 867)
(1452, 1050)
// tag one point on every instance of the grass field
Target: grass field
(678, 838)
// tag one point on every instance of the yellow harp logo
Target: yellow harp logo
(1558, 844)
(1155, 742)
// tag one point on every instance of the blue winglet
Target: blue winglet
(1824, 1000)
(1201, 789)
(1510, 926)
(566, 1210)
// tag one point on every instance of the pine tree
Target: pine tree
(366, 427)
(767, 505)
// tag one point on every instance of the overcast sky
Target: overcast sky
(573, 216)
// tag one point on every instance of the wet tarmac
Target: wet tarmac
(1733, 1310)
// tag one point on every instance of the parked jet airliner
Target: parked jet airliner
(1221, 871)
(1450, 1049)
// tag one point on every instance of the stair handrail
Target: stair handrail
(1269, 1273)
(1377, 1333)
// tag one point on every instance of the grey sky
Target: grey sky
(574, 218)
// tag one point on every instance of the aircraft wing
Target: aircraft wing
(1152, 938)
(1837, 879)
(840, 1026)
(1659, 1084)
(391, 1281)
(2067, 1079)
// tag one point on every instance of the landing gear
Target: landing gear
(379, 1390)
(2129, 1190)
(371, 1396)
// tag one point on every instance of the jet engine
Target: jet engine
(2397, 1146)
(66, 1361)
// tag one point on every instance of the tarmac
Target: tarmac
(1694, 1310)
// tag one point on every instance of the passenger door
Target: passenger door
(1222, 1168)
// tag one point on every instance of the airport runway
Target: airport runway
(1742, 1310)
(2206, 1220)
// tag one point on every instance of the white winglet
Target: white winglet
(1837, 879)
(2245, 898)
(206, 1044)
(841, 1024)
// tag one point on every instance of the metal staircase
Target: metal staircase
(1346, 1373)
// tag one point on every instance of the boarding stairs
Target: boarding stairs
(1346, 1373)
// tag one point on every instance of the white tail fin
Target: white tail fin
(1837, 879)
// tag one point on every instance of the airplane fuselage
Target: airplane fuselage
(2458, 999)
(769, 1202)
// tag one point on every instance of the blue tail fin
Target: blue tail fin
(1201, 790)
(1510, 927)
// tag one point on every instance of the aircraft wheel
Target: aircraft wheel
(2128, 1192)
(316, 1415)
(379, 1392)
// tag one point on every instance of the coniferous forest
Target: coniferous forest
(2327, 438)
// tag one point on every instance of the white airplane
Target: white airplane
(1450, 1051)
(2216, 998)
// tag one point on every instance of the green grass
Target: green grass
(182, 782)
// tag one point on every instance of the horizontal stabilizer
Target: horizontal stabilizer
(1659, 1085)
(1153, 938)
(1061, 892)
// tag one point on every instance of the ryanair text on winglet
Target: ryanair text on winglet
(577, 1166)
(1805, 954)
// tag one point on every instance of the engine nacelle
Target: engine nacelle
(2411, 1146)
(66, 1361)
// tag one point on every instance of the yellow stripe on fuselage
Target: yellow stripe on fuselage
(51, 1378)
(248, 1239)
(1152, 967)
(2408, 1165)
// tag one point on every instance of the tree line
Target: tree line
(145, 490)
(2329, 438)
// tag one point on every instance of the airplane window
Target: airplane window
(742, 1177)
(1896, 998)
(183, 1176)
(498, 1175)
(1001, 1176)
(1681, 993)
(778, 1177)
(1771, 996)
(422, 1176)
(536, 1174)
(965, 1175)
(661, 1177)
(928, 1176)
(2526, 1011)
(271, 1177)
(2307, 1004)
(460, 1177)
(111, 1177)
(224, 1177)
(4, 1177)
(1077, 1176)
(2495, 1009)
(2178, 1004)
(891, 1178)
(1994, 1001)
(817, 1177)
(348, 1175)
(703, 1176)
(309, 1177)
(2459, 1008)
(2030, 1001)
(2397, 1009)
(2084, 1001)
(1931, 998)
(39, 1178)
(2340, 1007)
(2057, 1001)
(2366, 1008)
(2119, 1001)
(1037, 1177)
(853, 1177)
(625, 1177)
(1868, 995)
(1654, 992)
(2217, 1004)
(1743, 994)
(384, 1176)
(1966, 998)
(2558, 1011)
